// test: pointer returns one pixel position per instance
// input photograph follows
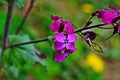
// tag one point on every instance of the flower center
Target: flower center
(66, 41)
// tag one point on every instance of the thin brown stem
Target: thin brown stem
(7, 26)
(25, 17)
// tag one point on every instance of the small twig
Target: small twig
(105, 27)
(24, 43)
(25, 17)
(95, 26)
(88, 22)
(81, 35)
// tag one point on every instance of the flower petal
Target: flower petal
(59, 56)
(59, 45)
(69, 28)
(71, 47)
(68, 21)
(113, 7)
(71, 38)
(89, 34)
(100, 13)
(55, 25)
(108, 17)
(54, 17)
(60, 37)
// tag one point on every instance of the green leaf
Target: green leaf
(2, 1)
(11, 71)
(96, 47)
(21, 55)
(20, 3)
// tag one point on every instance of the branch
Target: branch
(25, 16)
(95, 26)
(24, 43)
(46, 39)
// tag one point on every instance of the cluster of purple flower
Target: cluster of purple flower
(111, 16)
(64, 42)
(65, 38)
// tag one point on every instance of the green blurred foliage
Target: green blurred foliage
(16, 20)
(2, 1)
(37, 26)
(21, 55)
(20, 3)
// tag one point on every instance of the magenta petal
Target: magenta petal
(41, 55)
(71, 47)
(71, 38)
(54, 17)
(60, 37)
(113, 7)
(100, 13)
(59, 57)
(59, 45)
(55, 25)
(67, 21)
(108, 17)
(69, 28)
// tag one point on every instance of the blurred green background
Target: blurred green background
(81, 65)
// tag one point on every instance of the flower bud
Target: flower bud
(89, 34)
(43, 56)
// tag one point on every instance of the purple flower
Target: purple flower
(100, 13)
(41, 55)
(114, 8)
(61, 55)
(65, 41)
(64, 44)
(55, 17)
(107, 16)
(89, 34)
(59, 25)
(69, 28)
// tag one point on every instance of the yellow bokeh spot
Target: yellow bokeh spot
(87, 8)
(95, 62)
(117, 1)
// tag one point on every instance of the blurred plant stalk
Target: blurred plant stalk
(7, 26)
(25, 17)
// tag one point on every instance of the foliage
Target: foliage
(21, 55)
(19, 3)
(2, 1)
(21, 61)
